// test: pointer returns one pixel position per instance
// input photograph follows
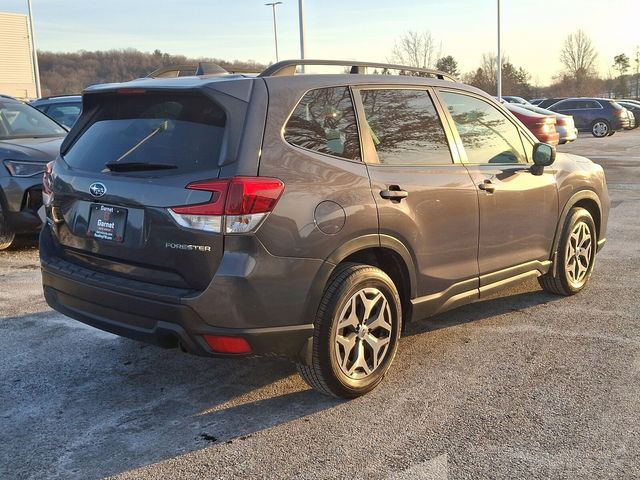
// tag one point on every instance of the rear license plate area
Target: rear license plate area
(107, 222)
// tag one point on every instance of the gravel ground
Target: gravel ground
(524, 385)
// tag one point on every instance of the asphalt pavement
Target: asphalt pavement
(523, 385)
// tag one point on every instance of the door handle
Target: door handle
(487, 186)
(394, 193)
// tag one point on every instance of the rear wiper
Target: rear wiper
(136, 166)
(163, 127)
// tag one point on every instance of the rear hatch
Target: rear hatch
(126, 162)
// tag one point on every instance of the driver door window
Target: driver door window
(487, 134)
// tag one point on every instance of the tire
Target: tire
(7, 236)
(600, 128)
(574, 267)
(360, 308)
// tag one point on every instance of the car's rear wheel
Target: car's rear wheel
(600, 128)
(7, 236)
(357, 328)
(576, 255)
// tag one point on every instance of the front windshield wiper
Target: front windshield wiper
(163, 127)
(17, 137)
(136, 166)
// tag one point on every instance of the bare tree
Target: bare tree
(579, 57)
(415, 49)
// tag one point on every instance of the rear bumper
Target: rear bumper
(566, 135)
(160, 323)
(166, 316)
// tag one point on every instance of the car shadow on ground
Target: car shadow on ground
(88, 404)
(88, 393)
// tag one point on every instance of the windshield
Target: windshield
(171, 130)
(18, 120)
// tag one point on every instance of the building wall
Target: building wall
(16, 63)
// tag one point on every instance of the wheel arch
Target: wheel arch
(382, 251)
(586, 199)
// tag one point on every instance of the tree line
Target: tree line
(67, 73)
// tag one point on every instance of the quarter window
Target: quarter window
(325, 121)
(486, 133)
(405, 127)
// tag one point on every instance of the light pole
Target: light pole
(34, 52)
(499, 73)
(275, 24)
(301, 19)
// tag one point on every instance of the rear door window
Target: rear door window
(183, 132)
(566, 105)
(325, 121)
(405, 127)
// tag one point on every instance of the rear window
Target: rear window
(183, 132)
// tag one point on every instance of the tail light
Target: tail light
(46, 178)
(237, 205)
(549, 125)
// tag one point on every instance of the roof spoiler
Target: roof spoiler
(197, 69)
(188, 69)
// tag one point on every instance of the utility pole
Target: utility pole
(34, 52)
(637, 72)
(301, 20)
(275, 25)
(499, 72)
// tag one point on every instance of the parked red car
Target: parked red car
(542, 126)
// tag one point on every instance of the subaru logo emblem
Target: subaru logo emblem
(97, 189)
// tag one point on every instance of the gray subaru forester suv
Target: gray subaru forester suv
(308, 216)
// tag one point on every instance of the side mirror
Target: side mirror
(543, 155)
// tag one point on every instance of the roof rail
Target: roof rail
(288, 67)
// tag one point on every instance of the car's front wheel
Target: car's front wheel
(356, 333)
(600, 128)
(575, 257)
(7, 236)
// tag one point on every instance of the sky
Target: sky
(532, 30)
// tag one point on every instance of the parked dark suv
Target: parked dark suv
(311, 216)
(600, 116)
(28, 141)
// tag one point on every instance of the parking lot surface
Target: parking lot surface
(524, 385)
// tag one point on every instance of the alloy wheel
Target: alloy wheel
(578, 254)
(363, 333)
(600, 129)
(6, 235)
